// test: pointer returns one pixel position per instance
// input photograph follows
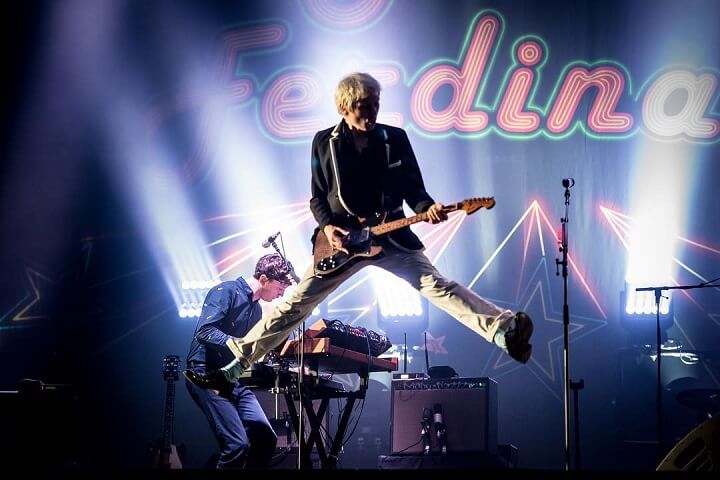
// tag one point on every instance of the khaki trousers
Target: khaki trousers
(476, 313)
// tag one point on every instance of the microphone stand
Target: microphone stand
(658, 390)
(568, 183)
(293, 278)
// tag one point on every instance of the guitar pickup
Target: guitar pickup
(356, 237)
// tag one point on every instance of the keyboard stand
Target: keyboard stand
(320, 355)
(328, 460)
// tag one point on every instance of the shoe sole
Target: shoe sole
(525, 356)
(524, 329)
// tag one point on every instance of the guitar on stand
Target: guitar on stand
(165, 454)
(360, 241)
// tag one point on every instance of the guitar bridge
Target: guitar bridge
(330, 263)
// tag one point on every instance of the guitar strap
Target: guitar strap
(334, 142)
(385, 195)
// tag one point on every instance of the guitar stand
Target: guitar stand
(328, 459)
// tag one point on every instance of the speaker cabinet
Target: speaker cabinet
(469, 412)
(43, 428)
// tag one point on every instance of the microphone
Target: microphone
(270, 239)
(439, 425)
(425, 431)
(568, 182)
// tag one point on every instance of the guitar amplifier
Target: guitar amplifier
(469, 414)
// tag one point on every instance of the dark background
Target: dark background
(84, 301)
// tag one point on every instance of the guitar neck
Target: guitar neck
(388, 227)
(168, 427)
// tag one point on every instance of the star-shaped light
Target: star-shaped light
(435, 344)
(30, 306)
(548, 335)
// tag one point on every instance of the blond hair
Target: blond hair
(353, 88)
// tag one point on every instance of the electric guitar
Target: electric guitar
(165, 454)
(360, 244)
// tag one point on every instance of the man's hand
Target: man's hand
(436, 214)
(334, 235)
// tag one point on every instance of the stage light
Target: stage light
(190, 310)
(638, 314)
(400, 308)
(395, 297)
(659, 199)
(643, 303)
(203, 285)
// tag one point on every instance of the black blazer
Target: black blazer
(403, 182)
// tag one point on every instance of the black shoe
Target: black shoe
(214, 380)
(516, 339)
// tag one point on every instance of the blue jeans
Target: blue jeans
(239, 424)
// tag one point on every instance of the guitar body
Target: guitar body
(166, 458)
(359, 242)
(328, 260)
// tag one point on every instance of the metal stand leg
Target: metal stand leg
(576, 386)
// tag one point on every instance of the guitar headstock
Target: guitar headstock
(471, 205)
(170, 367)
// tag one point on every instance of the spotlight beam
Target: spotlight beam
(500, 247)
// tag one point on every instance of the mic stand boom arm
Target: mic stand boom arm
(658, 389)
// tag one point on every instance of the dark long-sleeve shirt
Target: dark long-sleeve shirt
(228, 310)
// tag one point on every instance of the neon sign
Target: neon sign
(288, 104)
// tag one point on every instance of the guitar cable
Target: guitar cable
(301, 375)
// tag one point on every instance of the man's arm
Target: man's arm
(414, 191)
(319, 205)
(415, 194)
(216, 306)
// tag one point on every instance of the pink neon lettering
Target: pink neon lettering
(459, 114)
(602, 117)
(510, 115)
(286, 100)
